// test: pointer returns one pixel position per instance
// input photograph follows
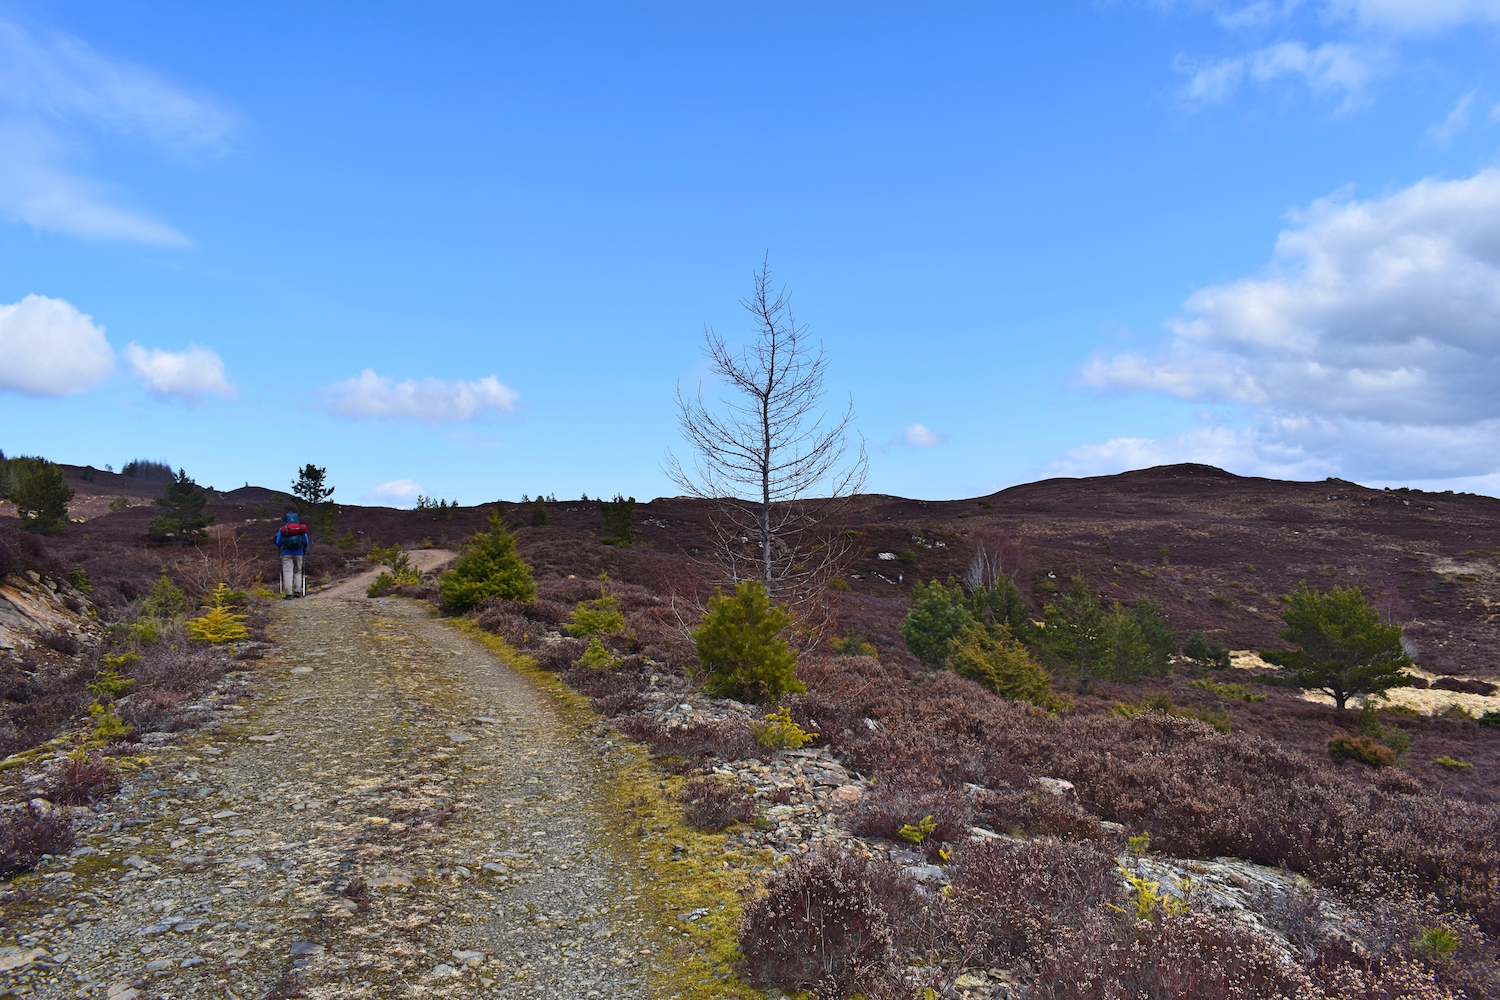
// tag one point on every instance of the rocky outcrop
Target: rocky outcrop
(33, 606)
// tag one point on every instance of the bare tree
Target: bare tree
(996, 556)
(775, 470)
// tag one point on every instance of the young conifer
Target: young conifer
(490, 567)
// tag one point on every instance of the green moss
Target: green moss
(646, 825)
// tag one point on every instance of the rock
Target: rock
(457, 737)
(846, 794)
(137, 862)
(15, 958)
(302, 670)
(253, 863)
(1055, 786)
(923, 873)
(396, 881)
(443, 971)
(304, 949)
(469, 958)
(272, 738)
(122, 991)
(979, 834)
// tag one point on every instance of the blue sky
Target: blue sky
(472, 249)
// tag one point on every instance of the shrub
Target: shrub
(824, 924)
(1399, 980)
(28, 833)
(78, 578)
(220, 624)
(398, 572)
(619, 521)
(903, 800)
(490, 568)
(166, 600)
(599, 615)
(108, 725)
(779, 732)
(1231, 692)
(182, 519)
(990, 657)
(712, 804)
(81, 779)
(726, 739)
(1205, 653)
(937, 615)
(1168, 956)
(58, 640)
(596, 657)
(1452, 763)
(852, 644)
(41, 496)
(1013, 900)
(1361, 748)
(740, 647)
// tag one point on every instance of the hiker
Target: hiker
(295, 542)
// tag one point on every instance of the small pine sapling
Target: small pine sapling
(741, 648)
(220, 624)
(490, 567)
(777, 731)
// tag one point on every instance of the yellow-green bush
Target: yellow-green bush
(596, 657)
(988, 655)
(601, 615)
(777, 731)
(219, 624)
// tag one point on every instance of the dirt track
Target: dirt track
(387, 752)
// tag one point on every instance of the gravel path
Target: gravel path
(397, 813)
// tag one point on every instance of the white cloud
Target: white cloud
(431, 400)
(396, 492)
(191, 373)
(49, 348)
(53, 89)
(1370, 343)
(1457, 120)
(918, 436)
(1333, 68)
(1392, 16)
(1246, 451)
(1414, 16)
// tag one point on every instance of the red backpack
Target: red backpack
(294, 536)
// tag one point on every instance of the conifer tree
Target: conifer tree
(490, 567)
(41, 496)
(1343, 648)
(182, 519)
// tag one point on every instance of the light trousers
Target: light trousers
(291, 573)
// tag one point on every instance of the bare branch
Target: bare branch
(776, 471)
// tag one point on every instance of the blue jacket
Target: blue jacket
(285, 547)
